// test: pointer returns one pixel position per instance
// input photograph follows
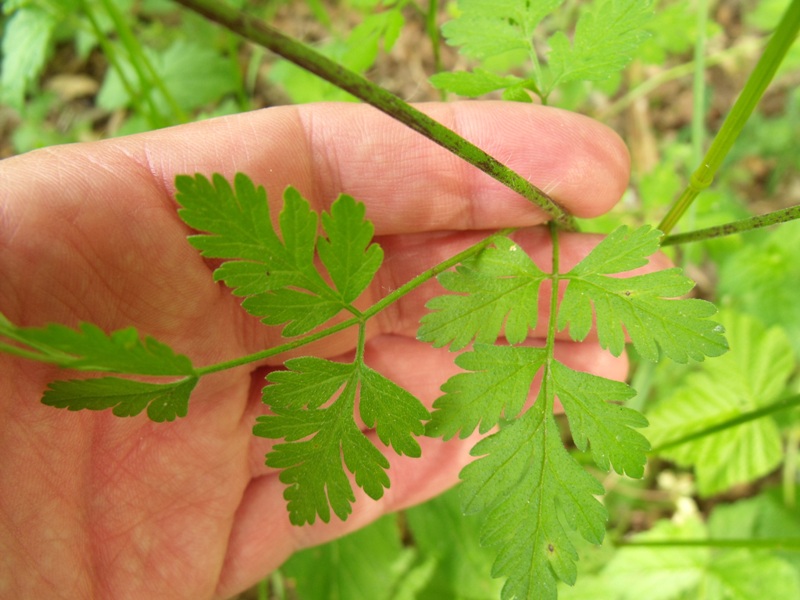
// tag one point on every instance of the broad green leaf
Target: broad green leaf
(127, 398)
(364, 565)
(594, 421)
(754, 279)
(496, 385)
(497, 290)
(278, 275)
(473, 83)
(752, 375)
(195, 75)
(486, 28)
(535, 494)
(645, 305)
(313, 404)
(605, 41)
(88, 348)
(678, 573)
(26, 42)
(347, 253)
(660, 573)
(460, 566)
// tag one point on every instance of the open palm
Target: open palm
(96, 506)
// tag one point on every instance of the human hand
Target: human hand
(97, 506)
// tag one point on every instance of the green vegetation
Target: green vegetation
(697, 457)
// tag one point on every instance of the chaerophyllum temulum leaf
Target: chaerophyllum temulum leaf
(534, 492)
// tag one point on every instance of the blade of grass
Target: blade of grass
(260, 33)
(148, 76)
(757, 83)
(784, 404)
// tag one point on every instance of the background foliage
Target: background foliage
(88, 69)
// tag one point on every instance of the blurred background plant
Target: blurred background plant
(78, 70)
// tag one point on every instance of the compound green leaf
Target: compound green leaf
(647, 306)
(497, 290)
(752, 375)
(497, 383)
(278, 275)
(308, 382)
(313, 404)
(605, 41)
(535, 494)
(486, 28)
(347, 253)
(127, 398)
(394, 413)
(473, 83)
(88, 348)
(594, 421)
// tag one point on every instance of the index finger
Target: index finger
(408, 183)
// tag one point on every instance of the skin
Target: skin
(92, 505)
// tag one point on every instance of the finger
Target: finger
(408, 182)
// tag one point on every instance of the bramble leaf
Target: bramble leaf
(88, 348)
(164, 401)
(321, 433)
(606, 37)
(752, 375)
(497, 290)
(278, 276)
(644, 304)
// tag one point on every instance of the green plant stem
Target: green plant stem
(367, 314)
(260, 33)
(792, 544)
(757, 83)
(699, 93)
(771, 218)
(780, 405)
(432, 28)
(699, 84)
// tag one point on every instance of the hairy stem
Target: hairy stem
(756, 84)
(771, 218)
(260, 33)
